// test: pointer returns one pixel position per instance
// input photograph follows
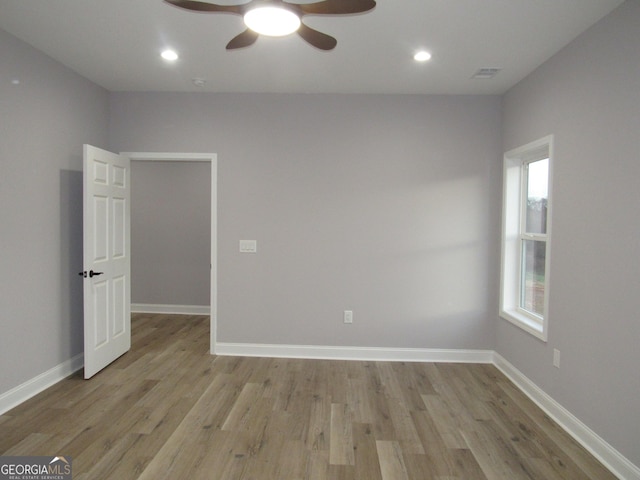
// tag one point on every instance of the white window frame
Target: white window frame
(513, 232)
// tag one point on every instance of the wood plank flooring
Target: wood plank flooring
(169, 410)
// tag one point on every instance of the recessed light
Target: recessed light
(422, 56)
(169, 55)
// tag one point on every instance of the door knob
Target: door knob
(91, 274)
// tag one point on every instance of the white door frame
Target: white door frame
(197, 157)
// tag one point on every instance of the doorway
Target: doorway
(210, 158)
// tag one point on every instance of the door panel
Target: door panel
(119, 306)
(107, 291)
(100, 292)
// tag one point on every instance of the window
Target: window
(526, 236)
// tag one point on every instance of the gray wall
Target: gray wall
(384, 205)
(170, 232)
(44, 120)
(588, 96)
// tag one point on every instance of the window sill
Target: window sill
(526, 323)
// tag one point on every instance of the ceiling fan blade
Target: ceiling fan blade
(337, 7)
(207, 7)
(317, 39)
(246, 38)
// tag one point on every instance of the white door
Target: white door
(107, 260)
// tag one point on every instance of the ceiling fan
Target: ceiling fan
(280, 12)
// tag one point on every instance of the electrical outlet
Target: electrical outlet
(556, 358)
(348, 316)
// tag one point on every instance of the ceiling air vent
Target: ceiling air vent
(485, 73)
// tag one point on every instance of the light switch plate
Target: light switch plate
(248, 246)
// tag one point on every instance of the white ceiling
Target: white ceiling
(116, 44)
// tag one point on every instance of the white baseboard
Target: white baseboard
(354, 353)
(30, 388)
(617, 463)
(171, 309)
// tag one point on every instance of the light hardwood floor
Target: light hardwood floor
(169, 410)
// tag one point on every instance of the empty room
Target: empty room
(397, 240)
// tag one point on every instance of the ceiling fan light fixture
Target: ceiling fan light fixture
(272, 21)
